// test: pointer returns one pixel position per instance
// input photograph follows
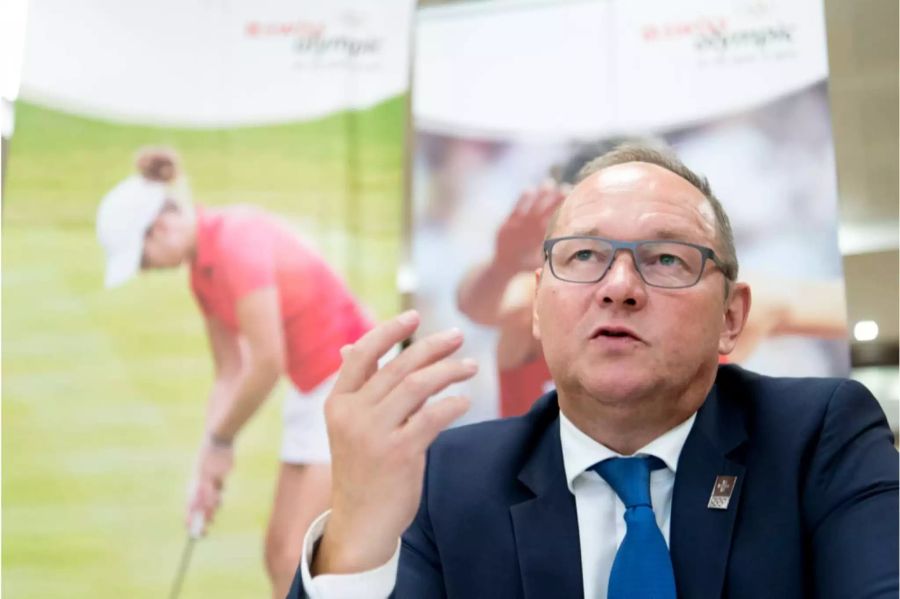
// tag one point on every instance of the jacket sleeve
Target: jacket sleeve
(296, 591)
(420, 575)
(376, 583)
(419, 572)
(850, 499)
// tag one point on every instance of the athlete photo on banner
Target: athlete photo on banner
(738, 92)
(204, 204)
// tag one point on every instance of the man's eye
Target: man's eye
(583, 255)
(669, 260)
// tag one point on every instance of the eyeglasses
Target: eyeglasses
(669, 264)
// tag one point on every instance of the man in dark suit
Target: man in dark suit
(650, 472)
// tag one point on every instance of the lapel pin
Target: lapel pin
(721, 492)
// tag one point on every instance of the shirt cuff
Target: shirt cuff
(377, 583)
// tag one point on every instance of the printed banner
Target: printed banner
(587, 69)
(197, 63)
(288, 120)
(736, 88)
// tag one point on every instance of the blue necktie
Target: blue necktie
(642, 568)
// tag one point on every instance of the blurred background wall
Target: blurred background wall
(863, 88)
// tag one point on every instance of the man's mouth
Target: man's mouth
(615, 332)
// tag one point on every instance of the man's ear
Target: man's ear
(535, 321)
(737, 308)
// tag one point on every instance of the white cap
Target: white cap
(124, 215)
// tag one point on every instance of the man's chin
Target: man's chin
(620, 386)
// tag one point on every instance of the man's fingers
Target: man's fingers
(423, 426)
(420, 354)
(361, 358)
(417, 387)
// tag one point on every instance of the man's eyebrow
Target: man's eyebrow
(667, 234)
(592, 232)
(670, 234)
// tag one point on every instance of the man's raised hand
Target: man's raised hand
(380, 426)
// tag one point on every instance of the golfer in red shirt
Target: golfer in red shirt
(272, 306)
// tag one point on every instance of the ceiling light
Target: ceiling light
(865, 330)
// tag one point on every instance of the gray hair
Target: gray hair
(668, 160)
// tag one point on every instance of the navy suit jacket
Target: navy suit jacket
(814, 512)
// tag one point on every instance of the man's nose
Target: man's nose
(622, 284)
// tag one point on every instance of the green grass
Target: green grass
(103, 391)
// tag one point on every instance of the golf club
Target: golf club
(198, 523)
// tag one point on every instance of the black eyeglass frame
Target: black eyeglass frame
(705, 252)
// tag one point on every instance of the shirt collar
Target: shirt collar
(580, 452)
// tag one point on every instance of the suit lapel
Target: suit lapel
(546, 526)
(700, 537)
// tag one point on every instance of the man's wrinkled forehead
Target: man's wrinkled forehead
(630, 180)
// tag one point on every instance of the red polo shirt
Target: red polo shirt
(241, 249)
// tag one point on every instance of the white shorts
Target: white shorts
(305, 437)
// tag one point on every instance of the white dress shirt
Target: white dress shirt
(601, 514)
(601, 517)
